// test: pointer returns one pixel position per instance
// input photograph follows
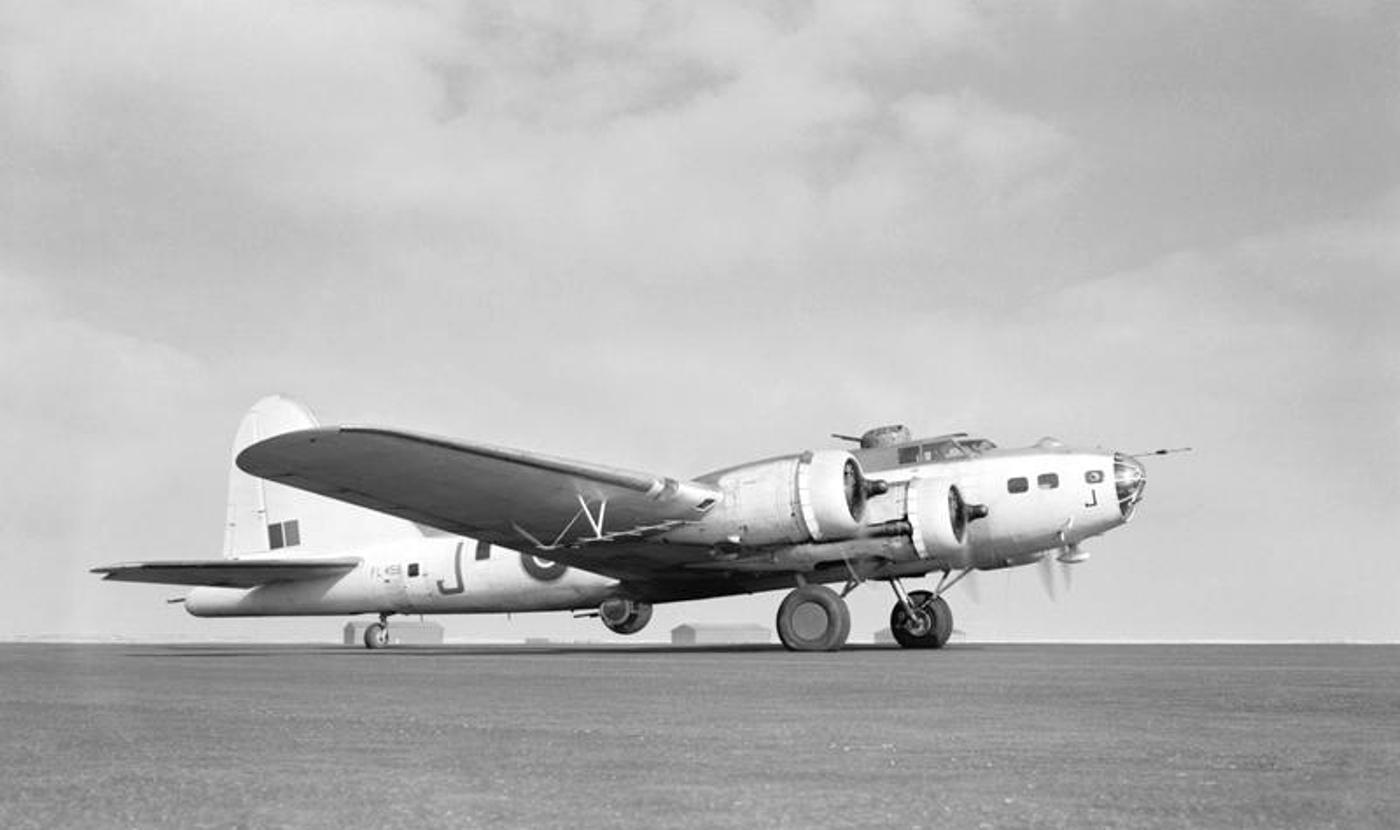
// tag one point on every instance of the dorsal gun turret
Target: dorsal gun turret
(886, 436)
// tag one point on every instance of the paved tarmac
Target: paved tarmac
(972, 736)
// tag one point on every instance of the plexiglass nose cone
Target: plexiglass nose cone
(1129, 479)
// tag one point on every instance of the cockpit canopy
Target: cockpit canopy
(884, 448)
(956, 447)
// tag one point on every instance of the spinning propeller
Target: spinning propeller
(1067, 554)
(1047, 575)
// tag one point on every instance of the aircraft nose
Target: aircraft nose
(1129, 479)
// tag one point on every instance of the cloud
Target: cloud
(97, 427)
(550, 132)
(78, 379)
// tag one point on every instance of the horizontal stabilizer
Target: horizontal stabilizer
(228, 573)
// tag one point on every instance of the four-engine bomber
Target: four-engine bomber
(346, 520)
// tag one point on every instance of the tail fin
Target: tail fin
(263, 516)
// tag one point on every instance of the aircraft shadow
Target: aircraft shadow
(217, 650)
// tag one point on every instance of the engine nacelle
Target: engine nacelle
(938, 519)
(814, 497)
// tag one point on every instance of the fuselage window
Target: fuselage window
(908, 455)
(1017, 485)
(1094, 476)
(412, 568)
(1047, 481)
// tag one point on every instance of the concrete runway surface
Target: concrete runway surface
(448, 736)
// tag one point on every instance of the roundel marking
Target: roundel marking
(542, 569)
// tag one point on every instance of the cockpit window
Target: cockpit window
(943, 451)
(1047, 481)
(949, 449)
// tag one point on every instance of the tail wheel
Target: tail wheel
(929, 626)
(376, 636)
(813, 618)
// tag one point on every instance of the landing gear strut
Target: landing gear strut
(920, 619)
(377, 634)
(813, 618)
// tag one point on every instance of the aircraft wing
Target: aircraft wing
(227, 573)
(509, 497)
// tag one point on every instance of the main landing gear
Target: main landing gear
(922, 619)
(377, 634)
(624, 616)
(813, 618)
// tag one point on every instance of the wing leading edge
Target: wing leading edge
(228, 573)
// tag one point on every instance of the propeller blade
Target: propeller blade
(974, 591)
(1071, 555)
(1047, 576)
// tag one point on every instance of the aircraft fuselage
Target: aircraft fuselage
(433, 575)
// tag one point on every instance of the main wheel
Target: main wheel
(929, 626)
(624, 616)
(813, 618)
(376, 636)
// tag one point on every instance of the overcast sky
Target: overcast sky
(679, 237)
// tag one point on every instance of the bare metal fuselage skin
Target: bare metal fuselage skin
(432, 575)
(1028, 501)
(1069, 496)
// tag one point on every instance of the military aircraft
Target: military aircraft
(354, 519)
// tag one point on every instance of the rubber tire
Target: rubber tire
(838, 626)
(636, 621)
(942, 628)
(376, 636)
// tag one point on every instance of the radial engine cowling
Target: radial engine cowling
(814, 497)
(938, 519)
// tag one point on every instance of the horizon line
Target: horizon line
(109, 639)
